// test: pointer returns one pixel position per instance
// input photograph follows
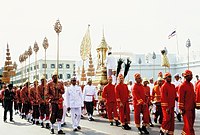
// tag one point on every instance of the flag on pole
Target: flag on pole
(172, 34)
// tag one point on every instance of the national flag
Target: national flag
(172, 34)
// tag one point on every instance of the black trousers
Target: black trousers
(36, 113)
(89, 108)
(20, 107)
(8, 106)
(56, 113)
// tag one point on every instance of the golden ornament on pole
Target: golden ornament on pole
(45, 45)
(58, 29)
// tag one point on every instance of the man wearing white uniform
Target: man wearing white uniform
(114, 78)
(110, 63)
(89, 93)
(66, 86)
(177, 82)
(74, 103)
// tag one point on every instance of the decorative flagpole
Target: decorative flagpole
(154, 57)
(36, 48)
(29, 55)
(188, 45)
(58, 29)
(45, 45)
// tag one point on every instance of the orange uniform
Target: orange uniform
(111, 105)
(168, 95)
(186, 103)
(140, 104)
(24, 94)
(122, 96)
(54, 94)
(43, 101)
(33, 96)
(156, 98)
(198, 96)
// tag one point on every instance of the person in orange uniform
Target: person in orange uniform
(198, 96)
(156, 99)
(122, 96)
(108, 94)
(186, 103)
(33, 96)
(160, 74)
(140, 104)
(168, 96)
(148, 97)
(26, 105)
(19, 101)
(44, 104)
(55, 89)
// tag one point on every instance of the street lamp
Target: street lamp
(188, 44)
(58, 29)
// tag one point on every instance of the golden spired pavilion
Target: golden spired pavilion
(101, 71)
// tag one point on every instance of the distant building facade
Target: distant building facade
(66, 70)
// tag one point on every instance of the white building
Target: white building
(66, 70)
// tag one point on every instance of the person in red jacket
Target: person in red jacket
(33, 96)
(55, 89)
(168, 96)
(186, 103)
(44, 104)
(122, 96)
(198, 96)
(108, 94)
(140, 104)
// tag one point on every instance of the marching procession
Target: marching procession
(43, 103)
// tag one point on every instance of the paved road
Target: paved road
(99, 127)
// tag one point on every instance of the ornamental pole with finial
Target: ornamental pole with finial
(29, 55)
(35, 48)
(45, 45)
(58, 29)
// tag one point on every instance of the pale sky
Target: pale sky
(137, 26)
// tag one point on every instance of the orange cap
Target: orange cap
(166, 75)
(187, 72)
(137, 75)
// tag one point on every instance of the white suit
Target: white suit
(74, 102)
(64, 105)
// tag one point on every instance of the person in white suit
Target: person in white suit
(89, 95)
(74, 103)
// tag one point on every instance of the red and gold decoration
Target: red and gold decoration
(8, 68)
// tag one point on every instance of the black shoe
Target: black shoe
(124, 127)
(60, 132)
(151, 124)
(47, 126)
(62, 125)
(111, 123)
(79, 128)
(117, 123)
(75, 129)
(140, 132)
(37, 123)
(12, 120)
(42, 125)
(179, 117)
(161, 132)
(52, 131)
(145, 130)
(5, 121)
(92, 119)
(33, 122)
(128, 127)
(82, 117)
